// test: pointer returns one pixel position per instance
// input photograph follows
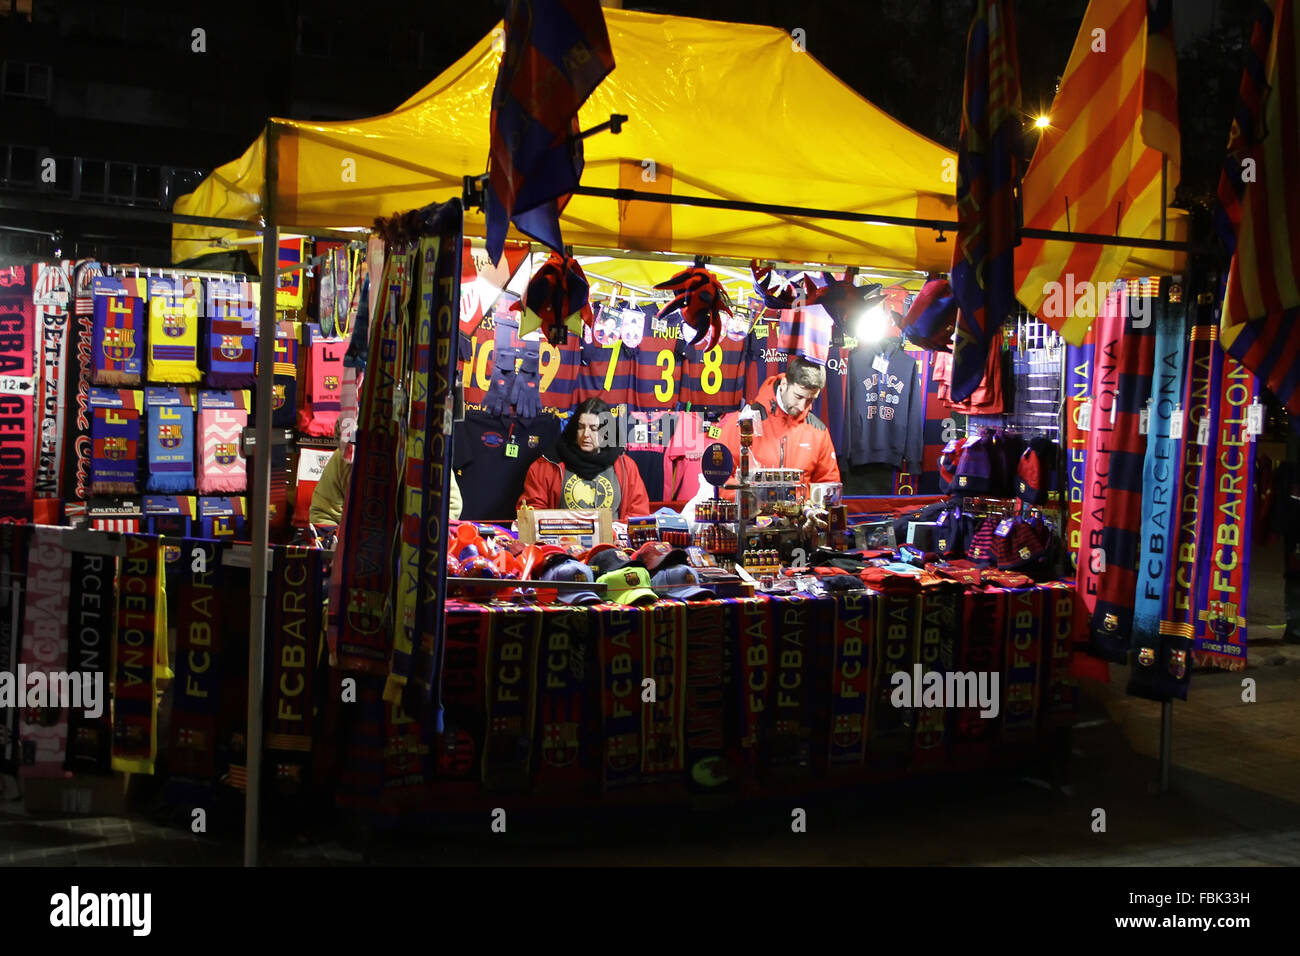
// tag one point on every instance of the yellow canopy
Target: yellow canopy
(721, 110)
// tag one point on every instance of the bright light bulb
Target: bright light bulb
(872, 324)
(1042, 122)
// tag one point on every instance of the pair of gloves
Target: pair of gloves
(521, 388)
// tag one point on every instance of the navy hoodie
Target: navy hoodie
(888, 405)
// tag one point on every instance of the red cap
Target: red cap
(654, 555)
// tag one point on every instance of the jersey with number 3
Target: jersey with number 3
(714, 378)
(658, 370)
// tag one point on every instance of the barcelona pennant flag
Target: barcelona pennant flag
(556, 53)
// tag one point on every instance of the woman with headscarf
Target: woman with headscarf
(587, 469)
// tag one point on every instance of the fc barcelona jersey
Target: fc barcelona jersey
(658, 369)
(714, 378)
(606, 371)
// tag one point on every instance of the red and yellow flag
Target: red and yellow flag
(1261, 314)
(1097, 167)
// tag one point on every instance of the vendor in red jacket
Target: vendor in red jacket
(587, 469)
(793, 437)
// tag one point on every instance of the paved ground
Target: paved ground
(1234, 801)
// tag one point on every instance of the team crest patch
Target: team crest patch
(1111, 621)
(1146, 656)
(365, 611)
(119, 344)
(279, 396)
(332, 383)
(225, 453)
(173, 326)
(170, 436)
(560, 744)
(232, 347)
(1178, 664)
(533, 441)
(115, 448)
(847, 730)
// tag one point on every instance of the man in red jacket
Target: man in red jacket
(585, 471)
(792, 436)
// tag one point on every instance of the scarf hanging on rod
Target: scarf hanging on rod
(139, 655)
(223, 519)
(290, 285)
(43, 727)
(223, 416)
(293, 645)
(322, 398)
(231, 334)
(13, 580)
(52, 298)
(1223, 575)
(119, 336)
(115, 432)
(1150, 676)
(174, 330)
(90, 635)
(76, 477)
(362, 570)
(1078, 390)
(200, 632)
(285, 374)
(17, 349)
(171, 439)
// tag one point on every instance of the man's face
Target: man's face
(588, 432)
(798, 398)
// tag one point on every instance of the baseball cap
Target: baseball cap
(681, 582)
(976, 471)
(657, 555)
(628, 585)
(571, 570)
(1036, 471)
(538, 557)
(609, 559)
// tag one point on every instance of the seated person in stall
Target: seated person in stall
(792, 436)
(327, 498)
(586, 468)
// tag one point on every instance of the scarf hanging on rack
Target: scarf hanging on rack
(362, 570)
(310, 469)
(43, 727)
(81, 367)
(200, 631)
(13, 580)
(285, 372)
(855, 627)
(293, 645)
(1223, 575)
(174, 330)
(326, 290)
(90, 635)
(231, 334)
(1078, 390)
(223, 519)
(171, 439)
(139, 655)
(17, 349)
(119, 336)
(52, 298)
(323, 383)
(1125, 356)
(1160, 474)
(290, 284)
(116, 434)
(223, 416)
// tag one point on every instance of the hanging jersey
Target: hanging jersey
(714, 378)
(559, 367)
(606, 370)
(658, 371)
(833, 405)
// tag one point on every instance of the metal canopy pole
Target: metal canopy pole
(261, 503)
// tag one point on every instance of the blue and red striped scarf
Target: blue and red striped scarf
(1078, 389)
(116, 432)
(139, 655)
(850, 711)
(513, 646)
(619, 644)
(231, 335)
(119, 331)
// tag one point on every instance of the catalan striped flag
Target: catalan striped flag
(989, 164)
(1246, 130)
(1097, 168)
(1261, 316)
(556, 54)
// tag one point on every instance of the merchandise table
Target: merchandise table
(752, 697)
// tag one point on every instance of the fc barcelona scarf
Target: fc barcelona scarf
(115, 435)
(13, 580)
(851, 679)
(1159, 496)
(1024, 650)
(362, 571)
(174, 330)
(753, 639)
(620, 630)
(139, 655)
(511, 697)
(897, 638)
(43, 726)
(796, 624)
(291, 282)
(293, 646)
(223, 416)
(200, 632)
(52, 298)
(170, 439)
(663, 756)
(463, 680)
(231, 334)
(564, 764)
(76, 478)
(17, 348)
(322, 399)
(1125, 361)
(118, 341)
(705, 696)
(982, 639)
(284, 407)
(936, 654)
(90, 636)
(1078, 390)
(1223, 575)
(1060, 689)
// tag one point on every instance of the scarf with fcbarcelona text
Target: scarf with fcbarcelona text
(513, 642)
(139, 655)
(43, 727)
(116, 432)
(90, 633)
(294, 645)
(174, 330)
(619, 634)
(119, 332)
(200, 639)
(855, 627)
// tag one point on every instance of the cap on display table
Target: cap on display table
(567, 529)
